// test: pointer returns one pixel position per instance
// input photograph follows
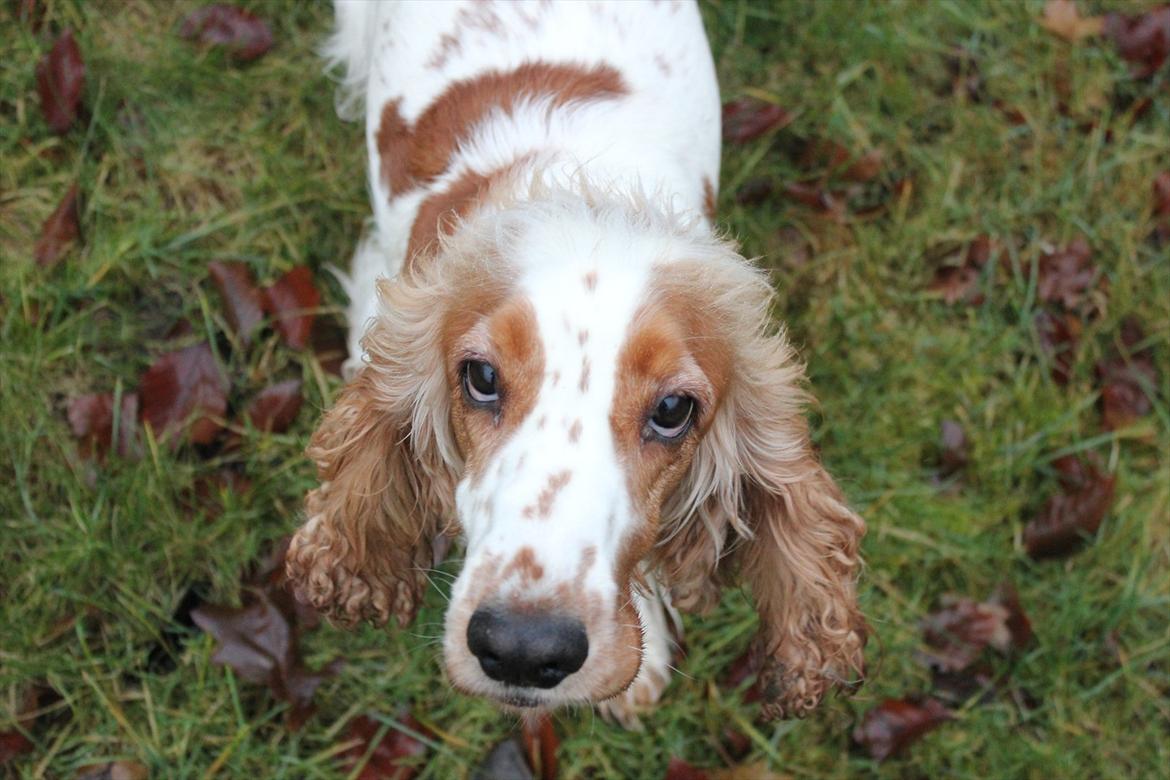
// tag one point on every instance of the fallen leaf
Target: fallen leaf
(541, 744)
(678, 769)
(1143, 40)
(755, 191)
(115, 770)
(866, 167)
(394, 757)
(1124, 377)
(275, 408)
(1162, 207)
(1063, 19)
(185, 386)
(746, 119)
(953, 448)
(956, 278)
(91, 418)
(1059, 334)
(59, 231)
(746, 666)
(895, 724)
(959, 630)
(243, 302)
(817, 198)
(1074, 513)
(329, 343)
(242, 34)
(12, 745)
(292, 300)
(1066, 274)
(60, 83)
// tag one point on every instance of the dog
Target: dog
(559, 360)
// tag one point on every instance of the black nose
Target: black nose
(530, 650)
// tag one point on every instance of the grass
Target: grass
(185, 158)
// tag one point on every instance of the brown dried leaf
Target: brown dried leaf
(115, 770)
(816, 197)
(12, 745)
(91, 418)
(293, 300)
(395, 756)
(275, 408)
(895, 724)
(1142, 40)
(242, 34)
(181, 386)
(329, 343)
(1124, 378)
(61, 82)
(961, 628)
(1074, 513)
(60, 230)
(1065, 275)
(541, 745)
(678, 769)
(956, 279)
(1063, 19)
(1059, 335)
(746, 119)
(243, 302)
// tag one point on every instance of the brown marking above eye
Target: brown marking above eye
(548, 495)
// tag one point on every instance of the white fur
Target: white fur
(651, 148)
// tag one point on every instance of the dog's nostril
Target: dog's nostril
(524, 649)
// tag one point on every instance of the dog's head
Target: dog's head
(589, 392)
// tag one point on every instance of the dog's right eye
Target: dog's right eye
(479, 382)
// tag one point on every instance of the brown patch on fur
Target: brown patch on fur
(439, 212)
(590, 280)
(542, 509)
(710, 203)
(582, 337)
(575, 431)
(583, 382)
(415, 156)
(524, 563)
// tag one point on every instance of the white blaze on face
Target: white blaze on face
(554, 499)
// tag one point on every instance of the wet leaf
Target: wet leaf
(1124, 377)
(394, 757)
(329, 343)
(1059, 334)
(292, 300)
(755, 191)
(678, 769)
(243, 302)
(957, 278)
(746, 119)
(895, 724)
(61, 82)
(1063, 19)
(115, 770)
(961, 628)
(816, 197)
(746, 666)
(12, 745)
(1068, 517)
(1142, 40)
(1065, 275)
(953, 448)
(540, 745)
(185, 386)
(505, 761)
(91, 418)
(60, 230)
(243, 35)
(275, 408)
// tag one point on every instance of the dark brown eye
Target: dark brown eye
(479, 380)
(672, 416)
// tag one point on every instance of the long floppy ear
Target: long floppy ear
(758, 504)
(387, 466)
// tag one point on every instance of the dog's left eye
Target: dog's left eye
(672, 416)
(479, 380)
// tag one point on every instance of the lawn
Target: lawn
(976, 126)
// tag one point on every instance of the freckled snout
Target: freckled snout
(526, 649)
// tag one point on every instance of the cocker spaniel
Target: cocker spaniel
(559, 360)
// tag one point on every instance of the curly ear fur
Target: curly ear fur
(388, 466)
(757, 502)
